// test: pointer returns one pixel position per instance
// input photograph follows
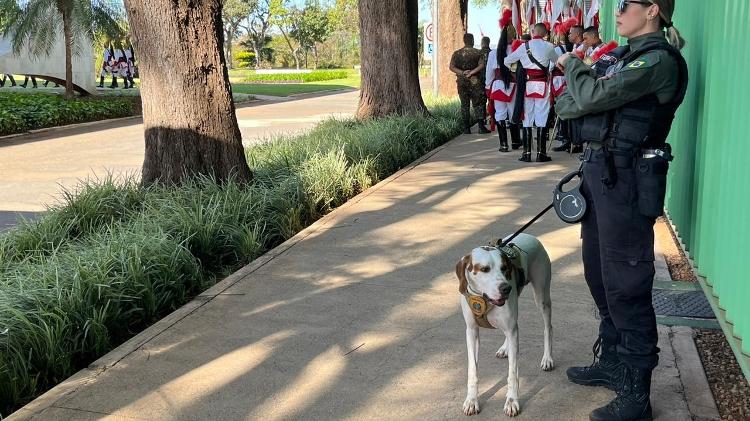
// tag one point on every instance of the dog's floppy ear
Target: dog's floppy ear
(461, 266)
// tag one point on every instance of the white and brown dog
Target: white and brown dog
(490, 283)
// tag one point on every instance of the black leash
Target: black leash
(500, 243)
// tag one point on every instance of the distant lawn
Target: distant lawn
(294, 88)
(236, 76)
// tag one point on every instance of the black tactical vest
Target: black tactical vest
(643, 123)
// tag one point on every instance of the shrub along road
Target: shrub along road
(35, 168)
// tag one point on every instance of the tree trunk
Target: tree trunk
(452, 21)
(256, 50)
(294, 51)
(68, 34)
(229, 57)
(315, 55)
(390, 74)
(188, 113)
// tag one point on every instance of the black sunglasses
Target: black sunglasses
(622, 6)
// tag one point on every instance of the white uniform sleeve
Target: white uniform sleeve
(553, 56)
(515, 56)
(489, 70)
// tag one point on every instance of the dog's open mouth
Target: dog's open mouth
(499, 302)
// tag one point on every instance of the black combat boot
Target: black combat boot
(503, 136)
(603, 371)
(466, 118)
(541, 145)
(114, 83)
(633, 400)
(515, 136)
(482, 128)
(101, 82)
(527, 137)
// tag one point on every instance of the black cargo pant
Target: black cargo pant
(618, 261)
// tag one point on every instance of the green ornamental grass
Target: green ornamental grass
(115, 257)
(20, 112)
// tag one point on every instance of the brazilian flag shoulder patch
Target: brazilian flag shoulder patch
(647, 60)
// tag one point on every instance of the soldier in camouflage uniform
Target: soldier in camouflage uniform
(468, 64)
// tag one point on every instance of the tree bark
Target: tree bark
(452, 24)
(188, 113)
(390, 72)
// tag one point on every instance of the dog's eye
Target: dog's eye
(486, 269)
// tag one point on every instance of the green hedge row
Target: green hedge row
(114, 257)
(314, 76)
(20, 112)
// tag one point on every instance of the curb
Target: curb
(698, 394)
(92, 123)
(695, 386)
(90, 373)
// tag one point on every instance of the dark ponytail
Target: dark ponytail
(502, 52)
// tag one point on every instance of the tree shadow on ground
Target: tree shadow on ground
(363, 318)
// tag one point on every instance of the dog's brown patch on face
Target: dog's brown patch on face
(461, 267)
(479, 268)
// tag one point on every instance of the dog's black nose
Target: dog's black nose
(505, 289)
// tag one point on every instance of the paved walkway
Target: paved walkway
(34, 168)
(357, 317)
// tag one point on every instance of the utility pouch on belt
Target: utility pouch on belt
(651, 180)
(591, 128)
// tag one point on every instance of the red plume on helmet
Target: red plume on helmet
(507, 16)
(547, 25)
(516, 43)
(603, 50)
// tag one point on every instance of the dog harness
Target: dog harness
(515, 274)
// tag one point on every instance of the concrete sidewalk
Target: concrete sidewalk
(357, 317)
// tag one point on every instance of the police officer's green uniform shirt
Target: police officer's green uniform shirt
(654, 72)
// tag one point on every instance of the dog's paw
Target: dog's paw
(547, 363)
(471, 406)
(512, 407)
(502, 352)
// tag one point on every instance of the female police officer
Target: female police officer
(625, 116)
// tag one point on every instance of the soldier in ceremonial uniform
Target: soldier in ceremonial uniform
(592, 41)
(624, 181)
(501, 86)
(485, 49)
(468, 63)
(537, 58)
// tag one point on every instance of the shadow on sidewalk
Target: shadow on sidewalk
(360, 319)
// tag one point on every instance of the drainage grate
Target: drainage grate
(682, 304)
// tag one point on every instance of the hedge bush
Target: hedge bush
(314, 76)
(20, 112)
(114, 257)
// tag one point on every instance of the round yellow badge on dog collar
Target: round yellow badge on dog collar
(478, 305)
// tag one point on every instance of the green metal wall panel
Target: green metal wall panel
(708, 196)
